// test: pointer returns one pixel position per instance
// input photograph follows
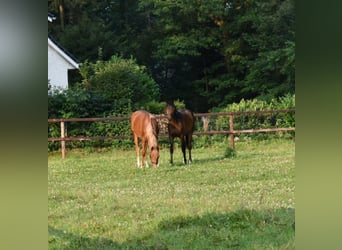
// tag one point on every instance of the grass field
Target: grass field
(101, 200)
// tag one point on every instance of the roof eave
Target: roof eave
(63, 54)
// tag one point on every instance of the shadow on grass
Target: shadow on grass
(59, 239)
(244, 229)
(210, 159)
(180, 164)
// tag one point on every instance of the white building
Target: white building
(59, 63)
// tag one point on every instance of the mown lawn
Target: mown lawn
(101, 200)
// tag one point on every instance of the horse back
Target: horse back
(185, 118)
(188, 120)
(141, 120)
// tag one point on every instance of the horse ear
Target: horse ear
(170, 102)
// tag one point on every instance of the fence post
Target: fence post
(231, 131)
(62, 141)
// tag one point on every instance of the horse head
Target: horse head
(154, 155)
(170, 110)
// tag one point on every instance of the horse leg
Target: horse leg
(143, 152)
(183, 148)
(189, 146)
(171, 139)
(137, 149)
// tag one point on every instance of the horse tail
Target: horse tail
(193, 120)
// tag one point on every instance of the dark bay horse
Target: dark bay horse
(181, 123)
(145, 126)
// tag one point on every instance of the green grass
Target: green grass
(101, 200)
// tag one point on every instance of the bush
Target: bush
(155, 107)
(121, 82)
(258, 121)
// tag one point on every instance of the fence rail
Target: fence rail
(63, 139)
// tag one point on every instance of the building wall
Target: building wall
(57, 68)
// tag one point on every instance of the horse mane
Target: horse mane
(177, 114)
(155, 127)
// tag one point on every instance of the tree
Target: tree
(225, 50)
(271, 71)
(112, 27)
(186, 44)
(206, 53)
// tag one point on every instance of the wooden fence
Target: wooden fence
(231, 131)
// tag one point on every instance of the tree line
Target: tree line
(208, 54)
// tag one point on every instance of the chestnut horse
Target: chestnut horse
(181, 123)
(145, 126)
